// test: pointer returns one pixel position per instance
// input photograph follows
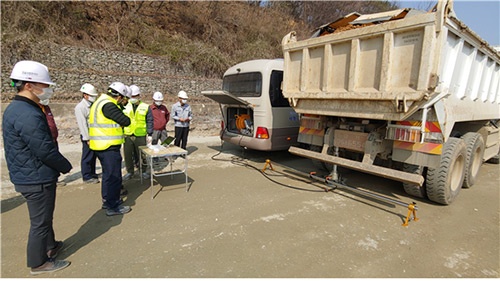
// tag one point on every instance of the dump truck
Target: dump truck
(408, 95)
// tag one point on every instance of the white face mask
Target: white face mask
(44, 102)
(184, 101)
(91, 99)
(158, 103)
(133, 101)
(46, 93)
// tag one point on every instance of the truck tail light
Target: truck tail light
(262, 133)
(411, 131)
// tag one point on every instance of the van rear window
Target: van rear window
(275, 91)
(243, 84)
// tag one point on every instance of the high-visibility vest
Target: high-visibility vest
(137, 120)
(103, 132)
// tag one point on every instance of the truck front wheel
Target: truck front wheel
(475, 150)
(444, 182)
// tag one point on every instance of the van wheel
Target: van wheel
(474, 144)
(445, 181)
(414, 189)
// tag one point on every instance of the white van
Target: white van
(255, 113)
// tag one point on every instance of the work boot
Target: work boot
(50, 266)
(120, 210)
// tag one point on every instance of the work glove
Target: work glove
(149, 140)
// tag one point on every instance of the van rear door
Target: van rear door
(225, 98)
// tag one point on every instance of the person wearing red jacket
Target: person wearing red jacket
(161, 115)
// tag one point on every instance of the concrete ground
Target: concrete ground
(234, 222)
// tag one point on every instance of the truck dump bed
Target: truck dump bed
(394, 64)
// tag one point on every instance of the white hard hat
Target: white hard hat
(119, 88)
(135, 90)
(31, 71)
(182, 95)
(88, 89)
(128, 94)
(158, 96)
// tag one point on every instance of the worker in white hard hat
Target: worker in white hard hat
(127, 96)
(34, 161)
(161, 115)
(182, 116)
(138, 133)
(106, 122)
(82, 110)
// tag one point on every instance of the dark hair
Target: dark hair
(19, 85)
(113, 93)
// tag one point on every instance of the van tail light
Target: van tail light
(262, 133)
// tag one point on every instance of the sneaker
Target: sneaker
(53, 252)
(50, 266)
(91, 181)
(127, 176)
(145, 175)
(105, 207)
(118, 211)
(123, 192)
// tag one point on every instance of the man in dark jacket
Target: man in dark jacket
(34, 161)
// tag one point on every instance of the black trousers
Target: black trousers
(158, 136)
(181, 136)
(131, 151)
(41, 206)
(111, 182)
(88, 162)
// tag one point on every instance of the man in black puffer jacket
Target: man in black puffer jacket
(34, 161)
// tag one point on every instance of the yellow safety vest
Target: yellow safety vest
(103, 132)
(137, 121)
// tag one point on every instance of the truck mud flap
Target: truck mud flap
(362, 167)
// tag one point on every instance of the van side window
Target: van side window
(275, 92)
(243, 84)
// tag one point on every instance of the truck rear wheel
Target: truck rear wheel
(414, 189)
(495, 159)
(316, 148)
(320, 164)
(444, 182)
(474, 144)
